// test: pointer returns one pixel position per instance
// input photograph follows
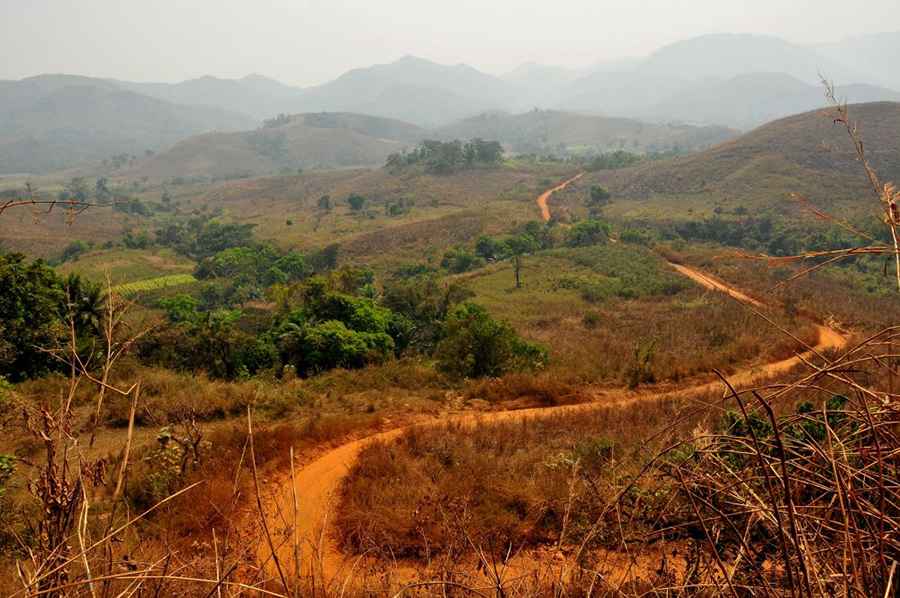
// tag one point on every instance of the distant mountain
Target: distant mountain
(540, 131)
(730, 80)
(803, 153)
(317, 140)
(254, 95)
(539, 85)
(729, 55)
(56, 121)
(412, 89)
(622, 94)
(749, 100)
(874, 55)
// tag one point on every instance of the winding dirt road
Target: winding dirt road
(545, 196)
(316, 485)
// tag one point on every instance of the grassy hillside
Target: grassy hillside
(806, 153)
(304, 141)
(555, 131)
(403, 216)
(128, 265)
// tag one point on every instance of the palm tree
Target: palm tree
(86, 304)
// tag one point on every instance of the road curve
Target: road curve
(544, 197)
(317, 484)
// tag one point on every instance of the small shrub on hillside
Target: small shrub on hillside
(476, 345)
(588, 232)
(459, 260)
(356, 202)
(591, 319)
(640, 370)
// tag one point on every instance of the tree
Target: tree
(32, 308)
(519, 246)
(325, 203)
(476, 345)
(214, 237)
(458, 260)
(76, 190)
(357, 202)
(599, 196)
(101, 189)
(487, 152)
(588, 232)
(425, 303)
(87, 303)
(331, 344)
(326, 258)
(180, 308)
(489, 248)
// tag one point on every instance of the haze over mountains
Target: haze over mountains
(738, 81)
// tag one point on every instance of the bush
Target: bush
(591, 319)
(476, 346)
(332, 345)
(459, 260)
(588, 232)
(356, 202)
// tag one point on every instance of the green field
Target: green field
(153, 284)
(129, 265)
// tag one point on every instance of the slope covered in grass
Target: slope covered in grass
(298, 142)
(805, 153)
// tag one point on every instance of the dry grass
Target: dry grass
(687, 330)
(501, 486)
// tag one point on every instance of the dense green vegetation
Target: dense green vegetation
(440, 157)
(38, 308)
(476, 345)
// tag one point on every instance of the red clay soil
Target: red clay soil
(545, 196)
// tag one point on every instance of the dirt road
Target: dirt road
(545, 196)
(317, 484)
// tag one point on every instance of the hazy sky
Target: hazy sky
(310, 41)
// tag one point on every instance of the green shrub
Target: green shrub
(589, 232)
(477, 346)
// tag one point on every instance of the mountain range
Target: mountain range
(733, 80)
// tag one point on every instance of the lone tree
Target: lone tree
(599, 197)
(519, 246)
(356, 201)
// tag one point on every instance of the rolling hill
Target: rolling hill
(54, 122)
(317, 140)
(550, 130)
(806, 153)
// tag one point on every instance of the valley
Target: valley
(424, 328)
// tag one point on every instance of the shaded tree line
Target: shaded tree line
(445, 157)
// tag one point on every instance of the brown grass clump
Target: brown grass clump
(499, 486)
(542, 389)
